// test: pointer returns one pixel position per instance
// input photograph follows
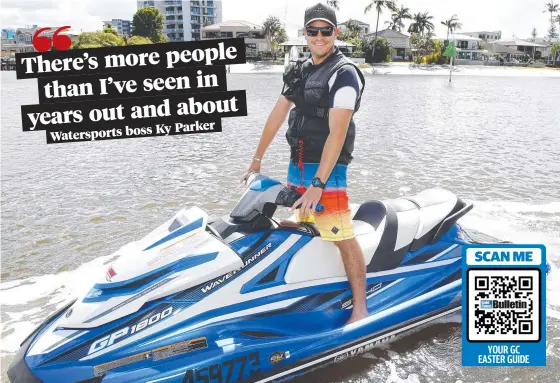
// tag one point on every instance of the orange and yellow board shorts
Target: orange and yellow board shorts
(335, 221)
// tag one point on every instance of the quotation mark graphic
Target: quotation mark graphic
(44, 43)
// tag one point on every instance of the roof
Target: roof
(543, 41)
(483, 32)
(387, 33)
(496, 48)
(26, 30)
(232, 23)
(460, 37)
(518, 42)
(302, 42)
(353, 20)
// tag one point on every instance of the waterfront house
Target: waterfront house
(398, 40)
(470, 50)
(544, 51)
(364, 27)
(487, 36)
(524, 46)
(255, 41)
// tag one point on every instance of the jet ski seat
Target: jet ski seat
(386, 231)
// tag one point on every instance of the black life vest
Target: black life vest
(309, 119)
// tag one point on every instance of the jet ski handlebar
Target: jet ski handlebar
(288, 196)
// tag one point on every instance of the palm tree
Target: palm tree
(552, 8)
(353, 27)
(397, 18)
(379, 6)
(334, 4)
(452, 24)
(554, 52)
(421, 22)
(271, 28)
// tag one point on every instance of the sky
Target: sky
(512, 17)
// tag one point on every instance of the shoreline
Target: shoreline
(406, 69)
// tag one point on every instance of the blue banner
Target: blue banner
(504, 305)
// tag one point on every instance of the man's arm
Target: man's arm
(339, 120)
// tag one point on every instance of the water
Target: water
(493, 140)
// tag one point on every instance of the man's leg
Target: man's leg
(354, 265)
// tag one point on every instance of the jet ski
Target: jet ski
(243, 298)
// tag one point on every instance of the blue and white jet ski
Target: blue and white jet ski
(245, 299)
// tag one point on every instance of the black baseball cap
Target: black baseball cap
(320, 12)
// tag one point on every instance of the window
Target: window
(226, 34)
(242, 34)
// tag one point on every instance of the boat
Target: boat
(245, 298)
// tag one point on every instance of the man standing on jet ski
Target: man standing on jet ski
(326, 91)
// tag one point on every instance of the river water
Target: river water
(493, 140)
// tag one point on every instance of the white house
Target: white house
(398, 40)
(544, 51)
(488, 36)
(364, 27)
(470, 50)
(255, 41)
(521, 45)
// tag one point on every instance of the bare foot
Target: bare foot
(357, 316)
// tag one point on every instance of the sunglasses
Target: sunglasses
(314, 31)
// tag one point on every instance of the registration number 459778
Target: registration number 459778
(229, 371)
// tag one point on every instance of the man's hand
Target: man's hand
(308, 201)
(255, 167)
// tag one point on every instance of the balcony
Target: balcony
(173, 3)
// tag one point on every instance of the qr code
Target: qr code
(503, 305)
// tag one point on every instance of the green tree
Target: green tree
(534, 33)
(555, 52)
(281, 36)
(334, 4)
(422, 45)
(421, 23)
(552, 32)
(452, 25)
(398, 17)
(149, 22)
(552, 8)
(380, 5)
(353, 27)
(138, 40)
(97, 40)
(271, 28)
(109, 29)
